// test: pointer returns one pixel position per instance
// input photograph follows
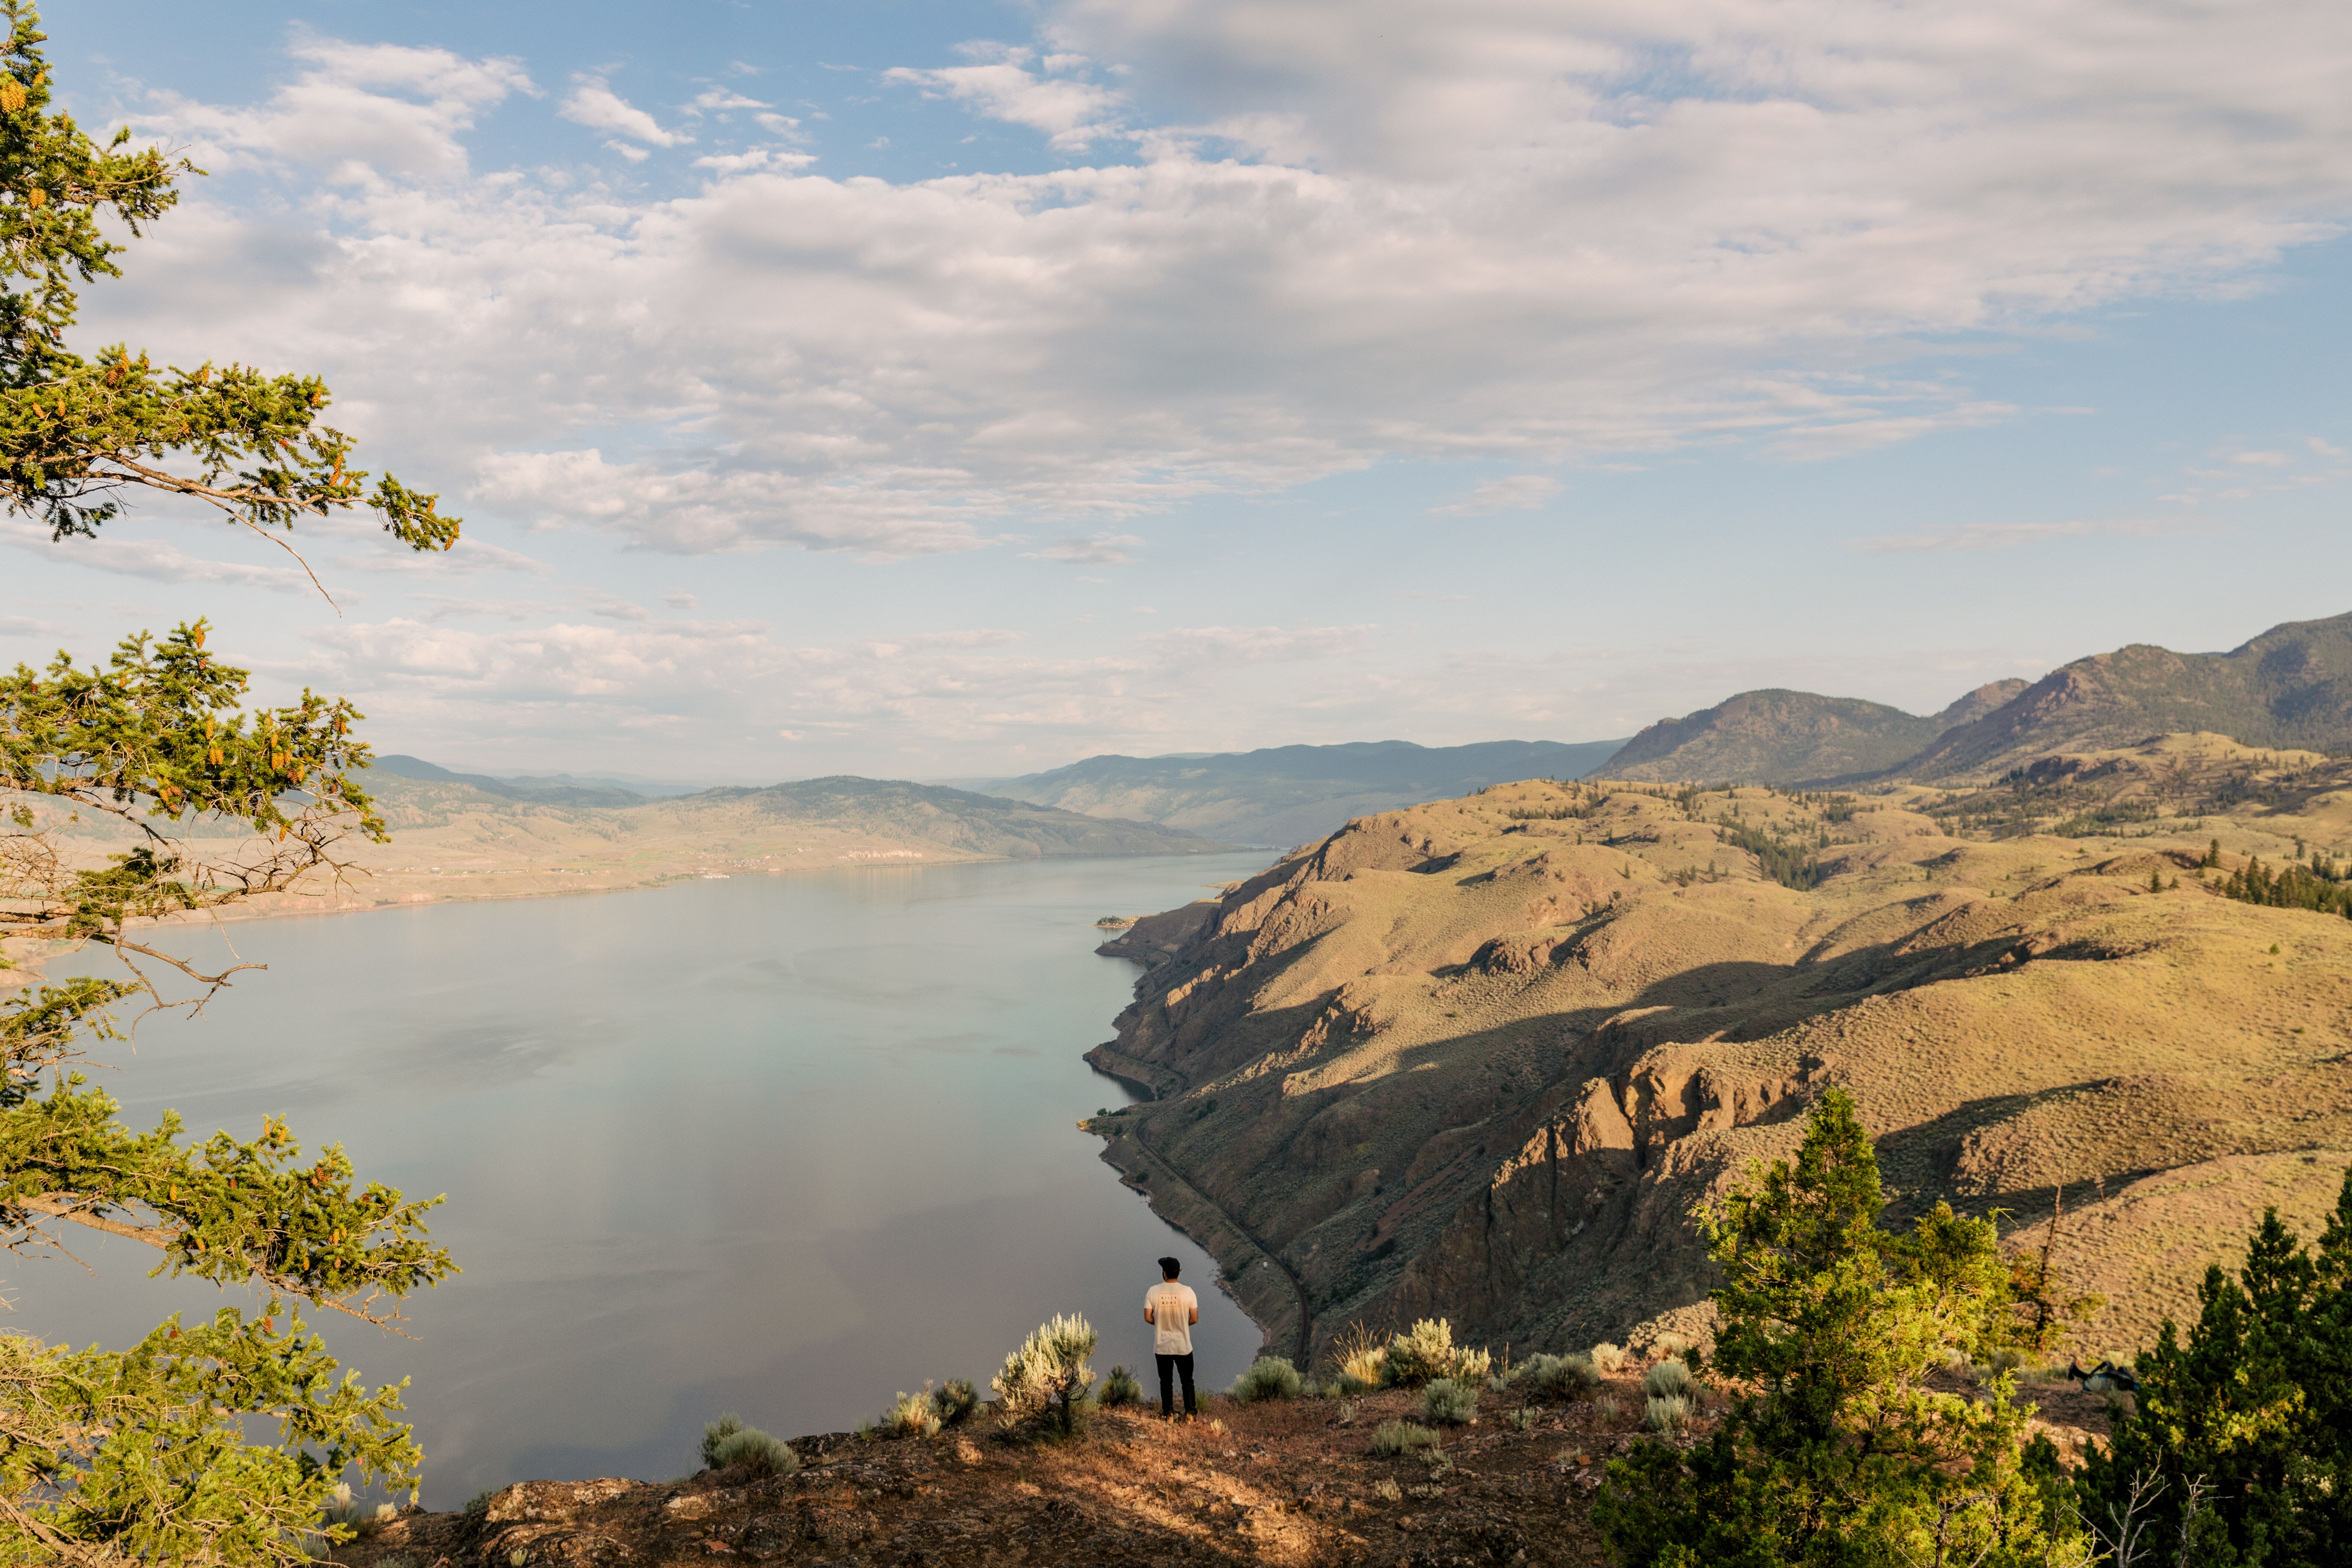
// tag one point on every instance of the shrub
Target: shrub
(2239, 1442)
(478, 1505)
(1607, 1408)
(717, 1432)
(1268, 1377)
(1521, 1419)
(1393, 1437)
(753, 1453)
(1045, 1382)
(1667, 1413)
(1359, 1355)
(362, 1519)
(1449, 1403)
(1119, 1388)
(955, 1400)
(1608, 1357)
(1669, 1346)
(1428, 1353)
(1833, 1323)
(912, 1415)
(1388, 1490)
(1669, 1380)
(1559, 1377)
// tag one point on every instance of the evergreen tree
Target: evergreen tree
(1836, 1451)
(2251, 1417)
(143, 1454)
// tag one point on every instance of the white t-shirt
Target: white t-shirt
(1172, 1306)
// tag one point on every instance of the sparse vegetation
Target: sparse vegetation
(1120, 1387)
(729, 1445)
(1426, 1353)
(956, 1399)
(1392, 1438)
(1608, 1357)
(1268, 1377)
(911, 1416)
(1669, 1379)
(1666, 1413)
(1045, 1382)
(1447, 1403)
(1561, 1377)
(1359, 1356)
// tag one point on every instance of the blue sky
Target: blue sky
(961, 389)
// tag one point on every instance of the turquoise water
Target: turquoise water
(781, 1146)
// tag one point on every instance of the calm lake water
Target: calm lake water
(781, 1146)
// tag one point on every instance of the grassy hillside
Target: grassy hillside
(1480, 1056)
(2292, 686)
(1784, 737)
(1287, 795)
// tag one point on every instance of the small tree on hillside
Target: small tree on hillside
(111, 1457)
(2251, 1417)
(1835, 1451)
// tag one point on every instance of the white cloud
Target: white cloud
(594, 103)
(1501, 232)
(393, 111)
(720, 99)
(1520, 492)
(679, 599)
(1073, 114)
(156, 560)
(1102, 550)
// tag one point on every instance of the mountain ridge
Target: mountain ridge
(1278, 795)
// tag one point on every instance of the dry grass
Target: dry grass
(1477, 1058)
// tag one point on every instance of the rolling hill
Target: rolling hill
(1479, 1057)
(1287, 795)
(1786, 737)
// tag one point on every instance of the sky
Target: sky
(961, 389)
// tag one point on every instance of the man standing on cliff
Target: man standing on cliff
(1172, 1309)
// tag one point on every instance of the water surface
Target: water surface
(781, 1146)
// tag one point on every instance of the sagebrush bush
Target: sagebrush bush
(717, 1432)
(955, 1400)
(1608, 1357)
(1669, 1379)
(1667, 1413)
(1449, 1403)
(1669, 1346)
(1428, 1353)
(1046, 1380)
(1607, 1408)
(1393, 1437)
(1268, 1377)
(362, 1519)
(911, 1415)
(750, 1451)
(1120, 1387)
(1522, 1418)
(1560, 1377)
(1347, 1385)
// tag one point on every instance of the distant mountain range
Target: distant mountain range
(1283, 795)
(842, 809)
(2291, 687)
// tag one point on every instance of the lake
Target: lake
(781, 1146)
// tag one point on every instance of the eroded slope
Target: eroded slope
(1481, 1057)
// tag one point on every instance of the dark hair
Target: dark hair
(1170, 1269)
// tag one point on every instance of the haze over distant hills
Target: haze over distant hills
(2289, 686)
(1286, 794)
(1788, 735)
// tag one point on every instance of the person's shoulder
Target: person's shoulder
(1188, 1292)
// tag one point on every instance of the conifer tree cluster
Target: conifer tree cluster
(214, 1442)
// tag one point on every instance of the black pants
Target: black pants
(1172, 1367)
